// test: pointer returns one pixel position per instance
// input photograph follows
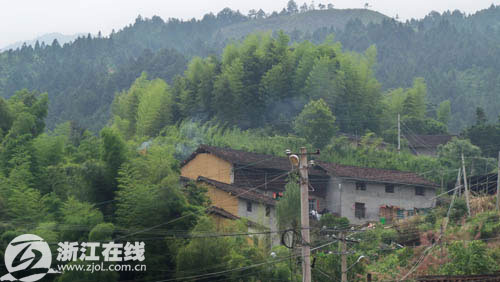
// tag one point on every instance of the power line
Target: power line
(207, 275)
(192, 213)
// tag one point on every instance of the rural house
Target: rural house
(427, 145)
(360, 194)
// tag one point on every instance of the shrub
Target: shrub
(332, 221)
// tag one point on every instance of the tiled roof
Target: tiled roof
(240, 192)
(428, 141)
(221, 212)
(245, 158)
(375, 174)
(282, 163)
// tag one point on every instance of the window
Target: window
(249, 206)
(312, 204)
(389, 188)
(268, 211)
(359, 210)
(420, 191)
(401, 214)
(361, 186)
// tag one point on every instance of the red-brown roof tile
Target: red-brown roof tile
(375, 174)
(240, 192)
(322, 168)
(428, 141)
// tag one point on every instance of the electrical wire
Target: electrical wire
(192, 213)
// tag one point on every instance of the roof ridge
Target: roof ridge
(246, 191)
(281, 163)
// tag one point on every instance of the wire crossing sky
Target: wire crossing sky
(26, 19)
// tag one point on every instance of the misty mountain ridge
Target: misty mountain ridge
(46, 38)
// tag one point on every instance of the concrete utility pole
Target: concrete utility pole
(344, 257)
(466, 185)
(458, 186)
(304, 206)
(498, 179)
(399, 133)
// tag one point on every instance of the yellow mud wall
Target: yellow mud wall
(223, 200)
(208, 166)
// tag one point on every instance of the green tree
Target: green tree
(5, 118)
(481, 118)
(210, 252)
(102, 232)
(228, 92)
(444, 112)
(79, 214)
(316, 123)
(113, 151)
(450, 155)
(287, 210)
(320, 83)
(292, 7)
(469, 259)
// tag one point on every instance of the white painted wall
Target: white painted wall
(374, 197)
(258, 215)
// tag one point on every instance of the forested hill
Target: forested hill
(457, 55)
(82, 78)
(298, 23)
(47, 38)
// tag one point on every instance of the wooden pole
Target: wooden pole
(344, 257)
(459, 185)
(304, 206)
(466, 186)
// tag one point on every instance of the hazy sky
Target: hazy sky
(27, 19)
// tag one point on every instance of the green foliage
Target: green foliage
(5, 118)
(79, 218)
(414, 106)
(102, 232)
(287, 213)
(316, 123)
(144, 109)
(390, 264)
(450, 156)
(458, 211)
(486, 137)
(207, 252)
(47, 231)
(219, 254)
(468, 259)
(444, 112)
(481, 118)
(113, 151)
(330, 266)
(49, 149)
(24, 205)
(331, 221)
(388, 236)
(426, 126)
(486, 225)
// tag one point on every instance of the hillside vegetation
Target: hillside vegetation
(306, 22)
(457, 55)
